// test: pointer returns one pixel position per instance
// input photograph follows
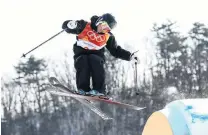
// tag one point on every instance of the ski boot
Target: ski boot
(96, 93)
(81, 92)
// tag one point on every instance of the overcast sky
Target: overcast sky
(26, 23)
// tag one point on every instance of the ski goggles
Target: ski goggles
(104, 26)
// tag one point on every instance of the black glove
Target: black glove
(134, 58)
(70, 24)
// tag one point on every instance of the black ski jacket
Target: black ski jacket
(111, 44)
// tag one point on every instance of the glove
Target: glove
(72, 24)
(69, 25)
(134, 59)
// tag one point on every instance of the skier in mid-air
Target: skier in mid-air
(92, 38)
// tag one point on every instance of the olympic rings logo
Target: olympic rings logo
(93, 36)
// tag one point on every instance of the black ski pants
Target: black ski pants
(87, 67)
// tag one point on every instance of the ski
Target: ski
(55, 82)
(97, 99)
(57, 87)
(95, 109)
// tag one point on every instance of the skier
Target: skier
(92, 38)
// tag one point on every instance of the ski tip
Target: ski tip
(53, 81)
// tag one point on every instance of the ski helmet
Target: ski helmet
(110, 19)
